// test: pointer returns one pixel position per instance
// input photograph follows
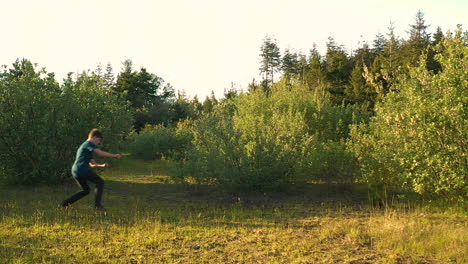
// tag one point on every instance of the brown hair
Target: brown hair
(95, 133)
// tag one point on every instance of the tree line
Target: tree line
(391, 115)
(349, 76)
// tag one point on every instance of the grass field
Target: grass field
(152, 221)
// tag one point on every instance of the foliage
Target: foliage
(270, 59)
(264, 141)
(246, 145)
(42, 124)
(156, 142)
(418, 138)
(332, 163)
(149, 96)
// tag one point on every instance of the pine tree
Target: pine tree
(418, 41)
(316, 77)
(109, 77)
(432, 64)
(386, 65)
(378, 45)
(209, 103)
(438, 36)
(302, 66)
(337, 68)
(270, 59)
(363, 54)
(142, 89)
(289, 64)
(358, 90)
(196, 105)
(99, 70)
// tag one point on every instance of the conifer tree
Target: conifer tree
(386, 65)
(109, 76)
(378, 45)
(289, 64)
(358, 90)
(432, 64)
(418, 41)
(270, 59)
(316, 77)
(337, 69)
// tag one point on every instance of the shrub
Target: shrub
(331, 162)
(262, 141)
(156, 142)
(42, 125)
(418, 138)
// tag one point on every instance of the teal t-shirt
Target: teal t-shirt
(84, 155)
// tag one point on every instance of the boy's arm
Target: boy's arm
(106, 154)
(93, 164)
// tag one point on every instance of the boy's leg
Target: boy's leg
(94, 178)
(84, 185)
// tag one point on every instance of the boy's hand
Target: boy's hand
(105, 165)
(118, 156)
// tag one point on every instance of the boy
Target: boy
(82, 171)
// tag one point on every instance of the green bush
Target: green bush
(332, 163)
(418, 139)
(272, 141)
(42, 124)
(260, 154)
(156, 142)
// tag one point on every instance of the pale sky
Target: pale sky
(198, 45)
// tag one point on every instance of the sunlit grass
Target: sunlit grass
(151, 221)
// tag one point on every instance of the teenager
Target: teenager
(82, 169)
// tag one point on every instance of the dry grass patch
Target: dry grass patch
(150, 221)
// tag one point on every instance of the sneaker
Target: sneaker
(100, 208)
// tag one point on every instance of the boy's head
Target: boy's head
(95, 136)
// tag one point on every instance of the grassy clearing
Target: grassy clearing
(150, 221)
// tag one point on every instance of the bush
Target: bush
(332, 163)
(270, 142)
(156, 142)
(260, 154)
(418, 138)
(42, 125)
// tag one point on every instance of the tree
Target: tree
(418, 137)
(337, 68)
(147, 94)
(359, 90)
(302, 66)
(99, 70)
(289, 64)
(386, 65)
(39, 119)
(209, 103)
(316, 78)
(109, 77)
(231, 92)
(379, 44)
(183, 108)
(432, 64)
(270, 59)
(364, 55)
(196, 105)
(418, 41)
(437, 37)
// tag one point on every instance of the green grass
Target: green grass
(152, 221)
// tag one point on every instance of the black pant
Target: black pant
(82, 180)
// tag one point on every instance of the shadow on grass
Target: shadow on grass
(138, 193)
(145, 197)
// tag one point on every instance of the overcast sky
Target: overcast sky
(198, 45)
